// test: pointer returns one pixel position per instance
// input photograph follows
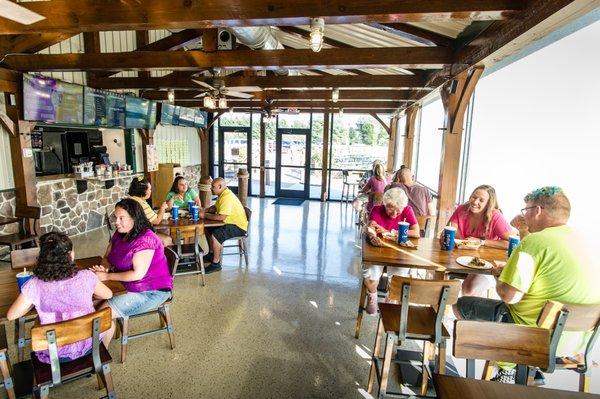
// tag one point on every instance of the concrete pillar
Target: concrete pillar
(205, 191)
(243, 177)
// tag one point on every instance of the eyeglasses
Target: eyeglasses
(524, 210)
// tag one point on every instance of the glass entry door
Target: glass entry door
(292, 172)
(234, 153)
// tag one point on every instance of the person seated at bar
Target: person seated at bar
(385, 218)
(419, 197)
(181, 193)
(135, 256)
(229, 210)
(140, 190)
(375, 185)
(59, 291)
(551, 263)
(480, 217)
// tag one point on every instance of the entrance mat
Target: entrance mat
(288, 201)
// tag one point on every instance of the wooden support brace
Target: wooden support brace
(409, 135)
(383, 124)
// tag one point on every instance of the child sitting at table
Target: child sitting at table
(59, 291)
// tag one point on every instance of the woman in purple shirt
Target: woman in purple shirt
(59, 291)
(135, 256)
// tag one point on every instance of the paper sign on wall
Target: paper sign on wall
(151, 158)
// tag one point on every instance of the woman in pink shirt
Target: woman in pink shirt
(375, 185)
(481, 218)
(60, 291)
(384, 218)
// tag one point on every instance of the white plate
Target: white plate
(390, 235)
(464, 261)
(467, 244)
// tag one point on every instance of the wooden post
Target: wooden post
(91, 44)
(456, 95)
(209, 39)
(205, 191)
(147, 139)
(263, 155)
(204, 148)
(243, 177)
(325, 163)
(409, 135)
(391, 167)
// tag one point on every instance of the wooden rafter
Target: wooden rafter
(385, 126)
(415, 34)
(183, 95)
(176, 81)
(403, 57)
(30, 43)
(86, 15)
(302, 104)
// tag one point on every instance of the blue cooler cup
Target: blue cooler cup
(22, 278)
(195, 212)
(190, 205)
(513, 241)
(448, 238)
(403, 232)
(175, 212)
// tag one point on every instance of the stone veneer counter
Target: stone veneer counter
(64, 209)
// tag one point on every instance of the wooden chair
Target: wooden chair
(50, 337)
(242, 244)
(109, 226)
(24, 258)
(190, 253)
(404, 321)
(424, 223)
(28, 228)
(17, 380)
(163, 311)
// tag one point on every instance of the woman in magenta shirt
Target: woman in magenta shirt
(384, 218)
(135, 256)
(480, 218)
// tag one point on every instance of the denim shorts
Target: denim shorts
(134, 303)
(484, 309)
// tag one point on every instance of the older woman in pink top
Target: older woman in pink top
(60, 292)
(481, 218)
(384, 218)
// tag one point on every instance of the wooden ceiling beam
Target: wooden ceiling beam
(373, 105)
(30, 43)
(415, 34)
(380, 111)
(341, 81)
(91, 15)
(399, 95)
(342, 58)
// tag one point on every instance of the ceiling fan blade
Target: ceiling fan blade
(244, 88)
(237, 94)
(201, 95)
(204, 84)
(17, 13)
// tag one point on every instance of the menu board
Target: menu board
(140, 113)
(49, 100)
(94, 107)
(115, 110)
(187, 117)
(167, 113)
(200, 118)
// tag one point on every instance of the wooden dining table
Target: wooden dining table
(427, 255)
(447, 387)
(185, 224)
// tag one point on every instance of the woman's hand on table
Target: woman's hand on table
(101, 272)
(163, 207)
(376, 241)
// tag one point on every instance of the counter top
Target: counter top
(42, 180)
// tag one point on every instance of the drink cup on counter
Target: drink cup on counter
(403, 232)
(448, 238)
(195, 212)
(175, 212)
(190, 205)
(22, 278)
(513, 241)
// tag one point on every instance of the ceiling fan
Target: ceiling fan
(17, 13)
(217, 89)
(270, 110)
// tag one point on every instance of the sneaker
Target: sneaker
(213, 267)
(539, 379)
(505, 376)
(371, 307)
(207, 258)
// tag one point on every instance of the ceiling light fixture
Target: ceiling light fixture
(208, 102)
(171, 96)
(231, 111)
(222, 103)
(317, 27)
(335, 95)
(341, 112)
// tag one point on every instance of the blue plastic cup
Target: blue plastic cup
(22, 278)
(190, 205)
(195, 212)
(403, 232)
(513, 241)
(175, 212)
(448, 238)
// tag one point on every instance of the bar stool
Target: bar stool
(346, 184)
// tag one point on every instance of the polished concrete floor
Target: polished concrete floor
(282, 328)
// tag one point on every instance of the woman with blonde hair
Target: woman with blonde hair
(375, 186)
(480, 217)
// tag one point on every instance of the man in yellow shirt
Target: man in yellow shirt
(229, 210)
(551, 263)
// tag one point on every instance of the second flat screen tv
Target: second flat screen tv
(140, 113)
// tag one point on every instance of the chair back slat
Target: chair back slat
(248, 213)
(502, 342)
(21, 258)
(172, 260)
(423, 292)
(183, 233)
(580, 317)
(69, 331)
(28, 212)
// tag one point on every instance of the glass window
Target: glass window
(316, 147)
(430, 144)
(235, 119)
(533, 125)
(255, 151)
(294, 120)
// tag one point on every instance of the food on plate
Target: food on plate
(471, 243)
(390, 235)
(477, 262)
(407, 244)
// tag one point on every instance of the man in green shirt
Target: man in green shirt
(551, 263)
